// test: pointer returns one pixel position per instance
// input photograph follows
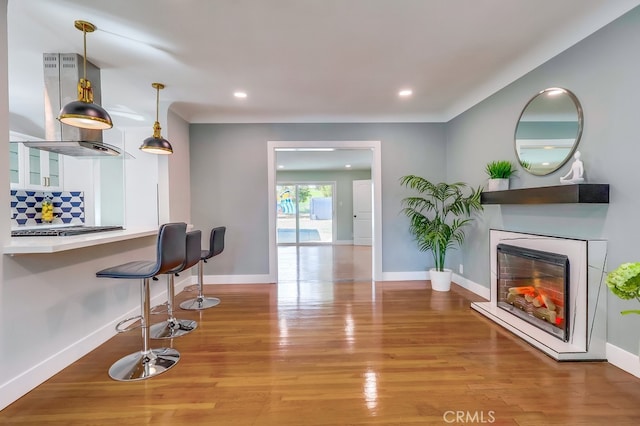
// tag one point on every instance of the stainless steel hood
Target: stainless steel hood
(76, 148)
(62, 72)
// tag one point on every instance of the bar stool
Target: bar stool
(216, 246)
(174, 327)
(171, 252)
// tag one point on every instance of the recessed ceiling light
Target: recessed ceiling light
(405, 92)
(280, 166)
(348, 166)
(240, 95)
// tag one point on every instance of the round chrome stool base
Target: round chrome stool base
(200, 303)
(140, 366)
(172, 328)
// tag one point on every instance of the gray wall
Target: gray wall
(343, 196)
(603, 71)
(229, 184)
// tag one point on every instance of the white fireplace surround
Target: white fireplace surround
(587, 296)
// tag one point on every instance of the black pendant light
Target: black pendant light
(156, 144)
(83, 112)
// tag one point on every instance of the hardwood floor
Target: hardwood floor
(335, 349)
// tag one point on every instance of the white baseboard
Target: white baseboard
(405, 276)
(18, 386)
(235, 279)
(476, 288)
(480, 290)
(623, 360)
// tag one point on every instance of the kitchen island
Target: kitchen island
(63, 310)
(42, 245)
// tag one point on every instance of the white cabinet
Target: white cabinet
(32, 168)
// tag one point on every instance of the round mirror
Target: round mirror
(548, 131)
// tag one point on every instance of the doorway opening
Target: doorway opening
(305, 213)
(372, 148)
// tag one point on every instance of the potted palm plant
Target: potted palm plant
(437, 217)
(499, 173)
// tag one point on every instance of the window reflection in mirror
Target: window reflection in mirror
(548, 131)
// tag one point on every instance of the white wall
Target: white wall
(141, 177)
(179, 183)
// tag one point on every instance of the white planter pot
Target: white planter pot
(440, 280)
(498, 185)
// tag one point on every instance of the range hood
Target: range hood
(62, 71)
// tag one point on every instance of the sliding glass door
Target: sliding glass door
(305, 213)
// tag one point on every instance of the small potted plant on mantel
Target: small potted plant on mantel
(499, 173)
(437, 217)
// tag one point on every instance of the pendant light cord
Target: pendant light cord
(157, 102)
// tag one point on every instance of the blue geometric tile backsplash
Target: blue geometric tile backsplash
(26, 207)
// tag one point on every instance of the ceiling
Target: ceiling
(338, 159)
(299, 61)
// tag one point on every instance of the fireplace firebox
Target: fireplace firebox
(534, 285)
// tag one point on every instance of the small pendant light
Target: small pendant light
(156, 144)
(83, 112)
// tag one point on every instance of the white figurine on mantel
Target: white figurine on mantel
(576, 174)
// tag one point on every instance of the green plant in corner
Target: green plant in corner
(438, 214)
(501, 169)
(624, 282)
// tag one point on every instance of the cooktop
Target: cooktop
(62, 232)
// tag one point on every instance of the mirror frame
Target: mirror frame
(578, 137)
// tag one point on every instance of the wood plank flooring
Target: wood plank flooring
(334, 348)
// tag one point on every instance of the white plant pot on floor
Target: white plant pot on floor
(498, 184)
(440, 280)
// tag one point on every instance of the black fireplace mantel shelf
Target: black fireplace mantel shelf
(587, 193)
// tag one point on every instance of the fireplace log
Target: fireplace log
(545, 314)
(538, 302)
(548, 302)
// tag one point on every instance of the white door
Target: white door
(362, 212)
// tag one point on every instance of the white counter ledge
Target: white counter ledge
(35, 245)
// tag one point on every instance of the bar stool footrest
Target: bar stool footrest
(119, 325)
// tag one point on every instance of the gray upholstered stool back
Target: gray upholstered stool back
(216, 246)
(172, 248)
(171, 252)
(216, 242)
(194, 248)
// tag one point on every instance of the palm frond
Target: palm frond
(438, 214)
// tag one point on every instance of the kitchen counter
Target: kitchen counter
(35, 245)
